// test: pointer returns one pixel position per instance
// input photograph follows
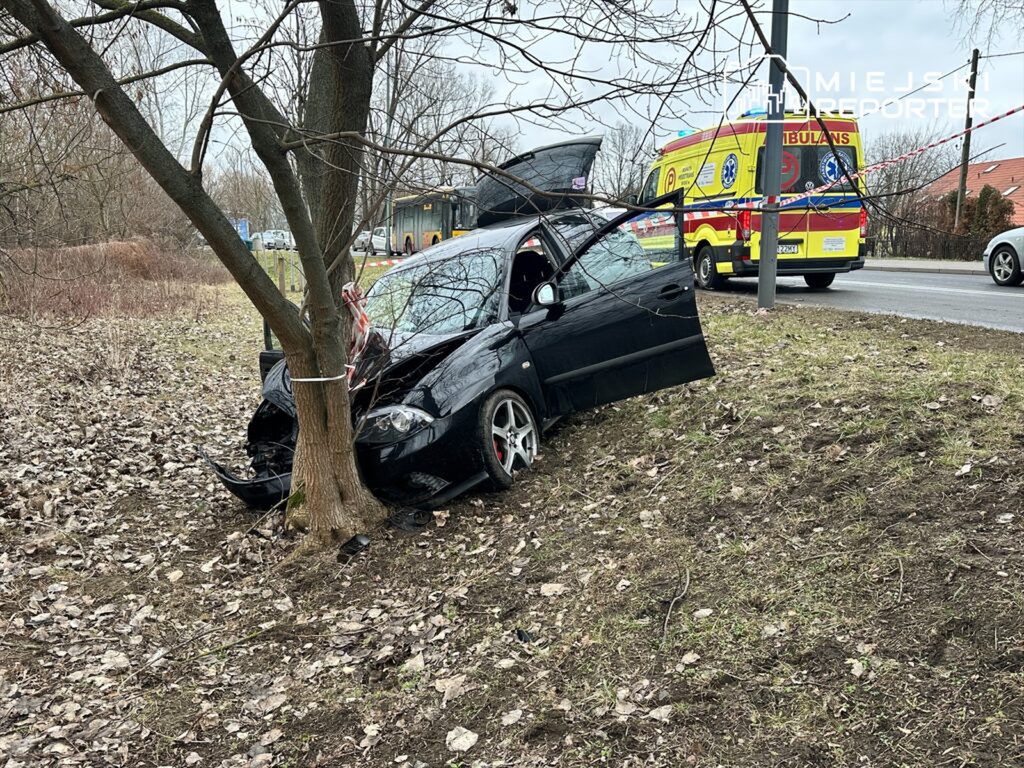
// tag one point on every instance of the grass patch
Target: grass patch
(787, 564)
(135, 278)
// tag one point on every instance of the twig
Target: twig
(581, 493)
(975, 548)
(158, 655)
(672, 605)
(232, 643)
(663, 478)
(820, 555)
(899, 597)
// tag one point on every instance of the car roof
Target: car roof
(504, 235)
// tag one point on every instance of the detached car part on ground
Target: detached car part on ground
(482, 342)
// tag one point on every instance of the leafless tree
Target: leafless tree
(624, 160)
(313, 143)
(989, 20)
(242, 189)
(65, 177)
(903, 188)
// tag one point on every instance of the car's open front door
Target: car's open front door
(624, 320)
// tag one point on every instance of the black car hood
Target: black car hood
(407, 344)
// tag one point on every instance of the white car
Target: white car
(277, 240)
(372, 242)
(1004, 257)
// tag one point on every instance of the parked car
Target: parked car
(488, 339)
(277, 240)
(372, 242)
(1004, 257)
(362, 241)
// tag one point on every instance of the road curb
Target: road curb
(943, 270)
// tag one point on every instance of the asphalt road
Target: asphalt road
(967, 299)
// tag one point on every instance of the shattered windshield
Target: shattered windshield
(438, 297)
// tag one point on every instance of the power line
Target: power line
(1001, 55)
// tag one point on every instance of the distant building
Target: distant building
(1005, 176)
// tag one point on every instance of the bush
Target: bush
(986, 215)
(135, 278)
(914, 242)
(928, 231)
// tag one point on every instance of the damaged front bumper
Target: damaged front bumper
(423, 470)
(415, 472)
(271, 438)
(259, 492)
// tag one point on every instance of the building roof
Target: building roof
(1005, 176)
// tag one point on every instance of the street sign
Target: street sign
(241, 227)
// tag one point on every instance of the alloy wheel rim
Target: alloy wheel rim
(705, 269)
(1003, 266)
(513, 435)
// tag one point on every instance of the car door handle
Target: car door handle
(671, 291)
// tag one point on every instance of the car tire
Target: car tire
(819, 280)
(501, 458)
(1004, 266)
(705, 270)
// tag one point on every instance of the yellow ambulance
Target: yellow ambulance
(720, 170)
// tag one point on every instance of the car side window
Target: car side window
(530, 267)
(637, 245)
(650, 190)
(616, 256)
(573, 229)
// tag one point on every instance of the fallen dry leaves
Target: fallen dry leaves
(148, 620)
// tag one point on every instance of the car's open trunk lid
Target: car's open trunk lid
(554, 178)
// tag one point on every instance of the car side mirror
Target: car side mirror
(631, 200)
(545, 295)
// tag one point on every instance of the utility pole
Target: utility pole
(965, 151)
(768, 262)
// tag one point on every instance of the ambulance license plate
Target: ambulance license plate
(789, 248)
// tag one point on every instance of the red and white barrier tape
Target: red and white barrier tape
(356, 303)
(384, 263)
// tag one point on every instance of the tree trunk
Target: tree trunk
(337, 504)
(328, 494)
(340, 89)
(328, 497)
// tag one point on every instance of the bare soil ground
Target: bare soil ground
(812, 559)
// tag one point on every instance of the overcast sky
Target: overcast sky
(876, 50)
(909, 38)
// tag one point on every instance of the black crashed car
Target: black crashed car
(490, 338)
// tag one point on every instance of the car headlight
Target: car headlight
(393, 423)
